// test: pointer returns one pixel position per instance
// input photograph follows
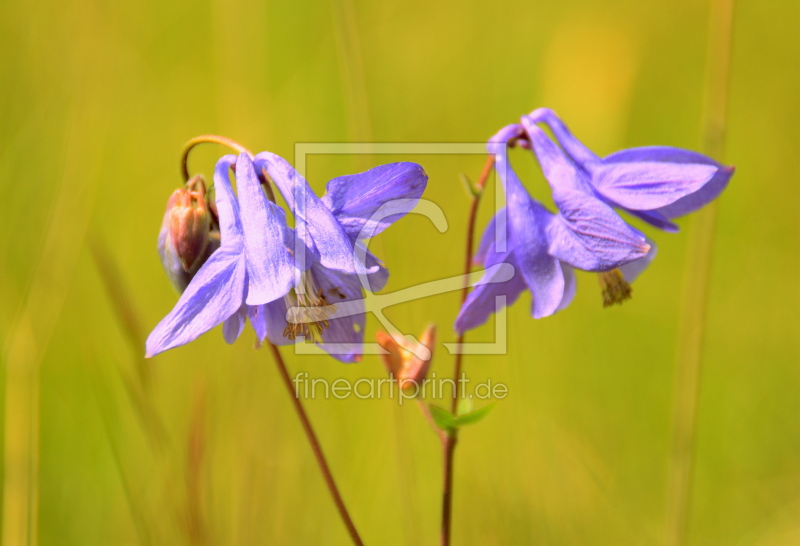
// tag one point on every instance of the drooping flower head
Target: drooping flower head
(655, 183)
(298, 284)
(253, 265)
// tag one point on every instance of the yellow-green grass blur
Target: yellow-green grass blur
(200, 445)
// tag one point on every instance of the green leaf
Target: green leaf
(473, 190)
(443, 418)
(464, 406)
(474, 416)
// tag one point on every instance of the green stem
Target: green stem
(696, 282)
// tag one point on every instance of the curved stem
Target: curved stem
(315, 447)
(449, 440)
(209, 139)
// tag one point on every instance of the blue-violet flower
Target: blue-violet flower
(292, 284)
(545, 248)
(655, 183)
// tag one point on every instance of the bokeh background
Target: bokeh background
(201, 446)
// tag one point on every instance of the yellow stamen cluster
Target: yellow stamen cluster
(614, 286)
(308, 313)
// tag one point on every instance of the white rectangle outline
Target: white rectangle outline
(303, 149)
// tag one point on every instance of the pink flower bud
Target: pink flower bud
(186, 239)
(405, 362)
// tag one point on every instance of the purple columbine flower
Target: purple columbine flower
(252, 266)
(327, 305)
(655, 183)
(545, 248)
(292, 284)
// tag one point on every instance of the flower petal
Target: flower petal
(234, 324)
(590, 236)
(647, 185)
(481, 301)
(367, 203)
(491, 235)
(269, 321)
(313, 218)
(528, 220)
(230, 223)
(373, 268)
(215, 293)
(560, 172)
(344, 337)
(666, 154)
(582, 156)
(632, 270)
(269, 265)
(655, 218)
(570, 286)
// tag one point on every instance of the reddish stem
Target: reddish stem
(315, 447)
(449, 440)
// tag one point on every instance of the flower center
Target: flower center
(308, 311)
(614, 286)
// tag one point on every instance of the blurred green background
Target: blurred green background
(96, 101)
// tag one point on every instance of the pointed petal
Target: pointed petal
(666, 154)
(344, 337)
(494, 232)
(560, 172)
(269, 322)
(374, 269)
(647, 185)
(632, 270)
(575, 149)
(269, 264)
(257, 320)
(570, 286)
(528, 221)
(313, 218)
(482, 302)
(656, 219)
(234, 324)
(701, 197)
(230, 224)
(590, 236)
(367, 203)
(215, 293)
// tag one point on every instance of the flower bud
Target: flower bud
(186, 239)
(406, 362)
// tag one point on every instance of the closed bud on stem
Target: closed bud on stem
(408, 362)
(187, 237)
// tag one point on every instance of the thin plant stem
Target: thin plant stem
(315, 447)
(208, 139)
(449, 440)
(694, 302)
(224, 141)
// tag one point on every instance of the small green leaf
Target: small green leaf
(443, 418)
(473, 190)
(464, 406)
(474, 416)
